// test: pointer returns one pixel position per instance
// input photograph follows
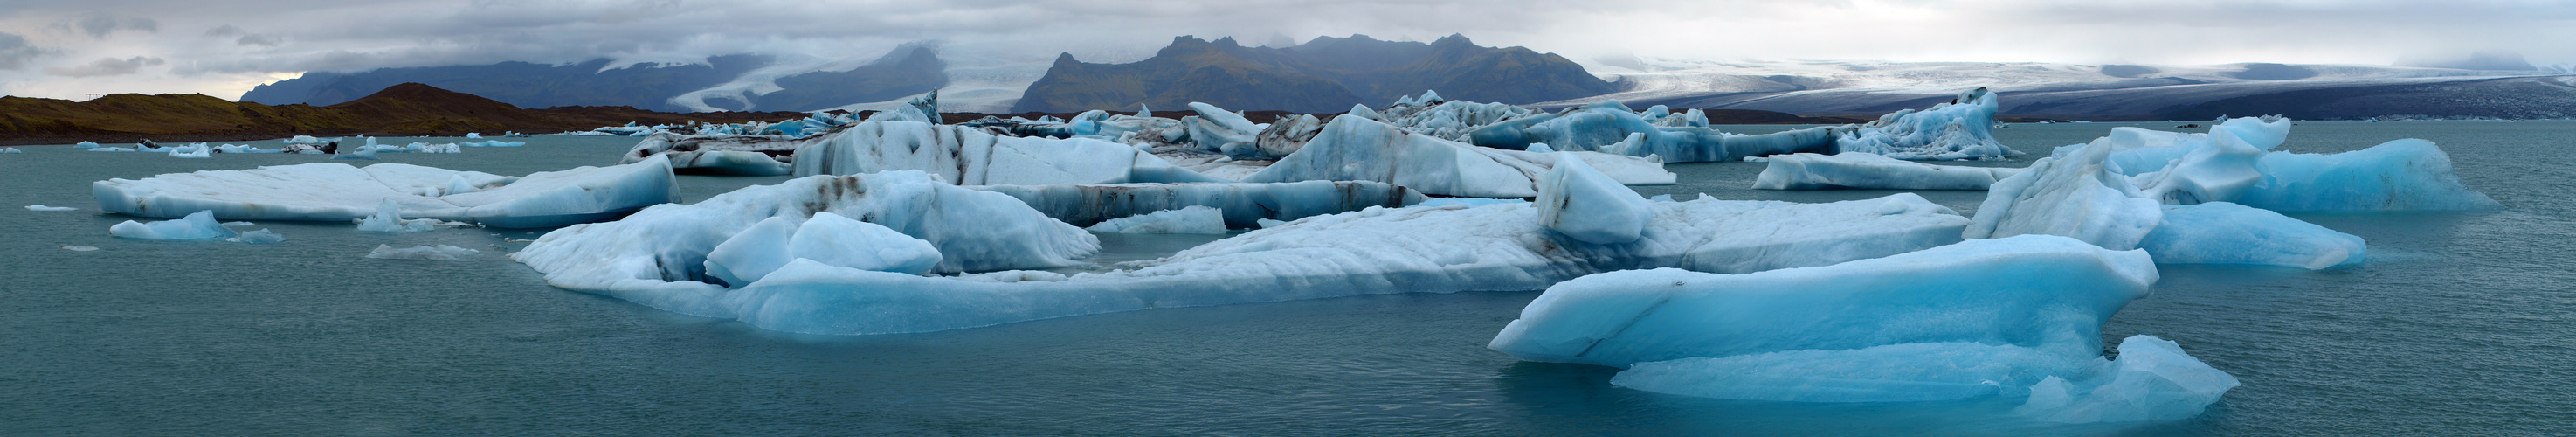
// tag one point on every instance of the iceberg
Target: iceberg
(2072, 195)
(2398, 175)
(262, 236)
(1868, 171)
(827, 238)
(198, 150)
(970, 156)
(200, 225)
(2228, 233)
(1958, 130)
(1215, 129)
(2017, 317)
(11, 150)
(439, 252)
(340, 192)
(1355, 148)
(1610, 127)
(1244, 204)
(721, 155)
(1585, 205)
(1193, 219)
(41, 207)
(974, 230)
(1371, 251)
(85, 145)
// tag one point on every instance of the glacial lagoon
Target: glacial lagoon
(2457, 322)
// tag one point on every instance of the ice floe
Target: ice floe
(1193, 219)
(440, 252)
(199, 225)
(1244, 204)
(1860, 170)
(340, 192)
(2016, 317)
(41, 207)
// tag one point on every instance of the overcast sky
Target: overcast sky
(75, 48)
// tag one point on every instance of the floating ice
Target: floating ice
(196, 226)
(974, 230)
(111, 149)
(198, 150)
(2070, 195)
(1372, 251)
(1859, 170)
(493, 143)
(2013, 317)
(1582, 203)
(439, 252)
(723, 155)
(1193, 219)
(1216, 129)
(79, 248)
(339, 192)
(826, 238)
(262, 236)
(1244, 204)
(1355, 148)
(2228, 233)
(2398, 175)
(388, 219)
(11, 150)
(1610, 127)
(969, 156)
(86, 145)
(1961, 129)
(41, 207)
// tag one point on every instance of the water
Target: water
(2460, 323)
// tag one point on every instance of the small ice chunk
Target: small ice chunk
(198, 226)
(79, 248)
(42, 207)
(1193, 219)
(440, 252)
(1577, 201)
(1268, 223)
(262, 236)
(388, 219)
(86, 145)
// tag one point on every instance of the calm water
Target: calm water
(2459, 324)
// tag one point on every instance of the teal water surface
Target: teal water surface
(2460, 323)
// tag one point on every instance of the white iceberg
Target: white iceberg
(1193, 219)
(2228, 233)
(2070, 195)
(1358, 149)
(969, 156)
(339, 192)
(1371, 251)
(1243, 204)
(198, 150)
(2015, 317)
(1867, 171)
(41, 207)
(439, 252)
(200, 225)
(827, 238)
(974, 230)
(85, 145)
(11, 150)
(1583, 204)
(1960, 129)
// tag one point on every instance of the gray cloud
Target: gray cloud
(243, 37)
(99, 24)
(106, 67)
(14, 51)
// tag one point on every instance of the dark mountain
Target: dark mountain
(908, 70)
(1325, 75)
(409, 109)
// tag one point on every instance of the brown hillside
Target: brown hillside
(402, 110)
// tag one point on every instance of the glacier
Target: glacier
(1356, 148)
(1193, 219)
(1869, 171)
(974, 230)
(1244, 204)
(2017, 317)
(340, 192)
(199, 225)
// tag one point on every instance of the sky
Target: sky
(77, 49)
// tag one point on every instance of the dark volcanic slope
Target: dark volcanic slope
(402, 110)
(1324, 75)
(911, 69)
